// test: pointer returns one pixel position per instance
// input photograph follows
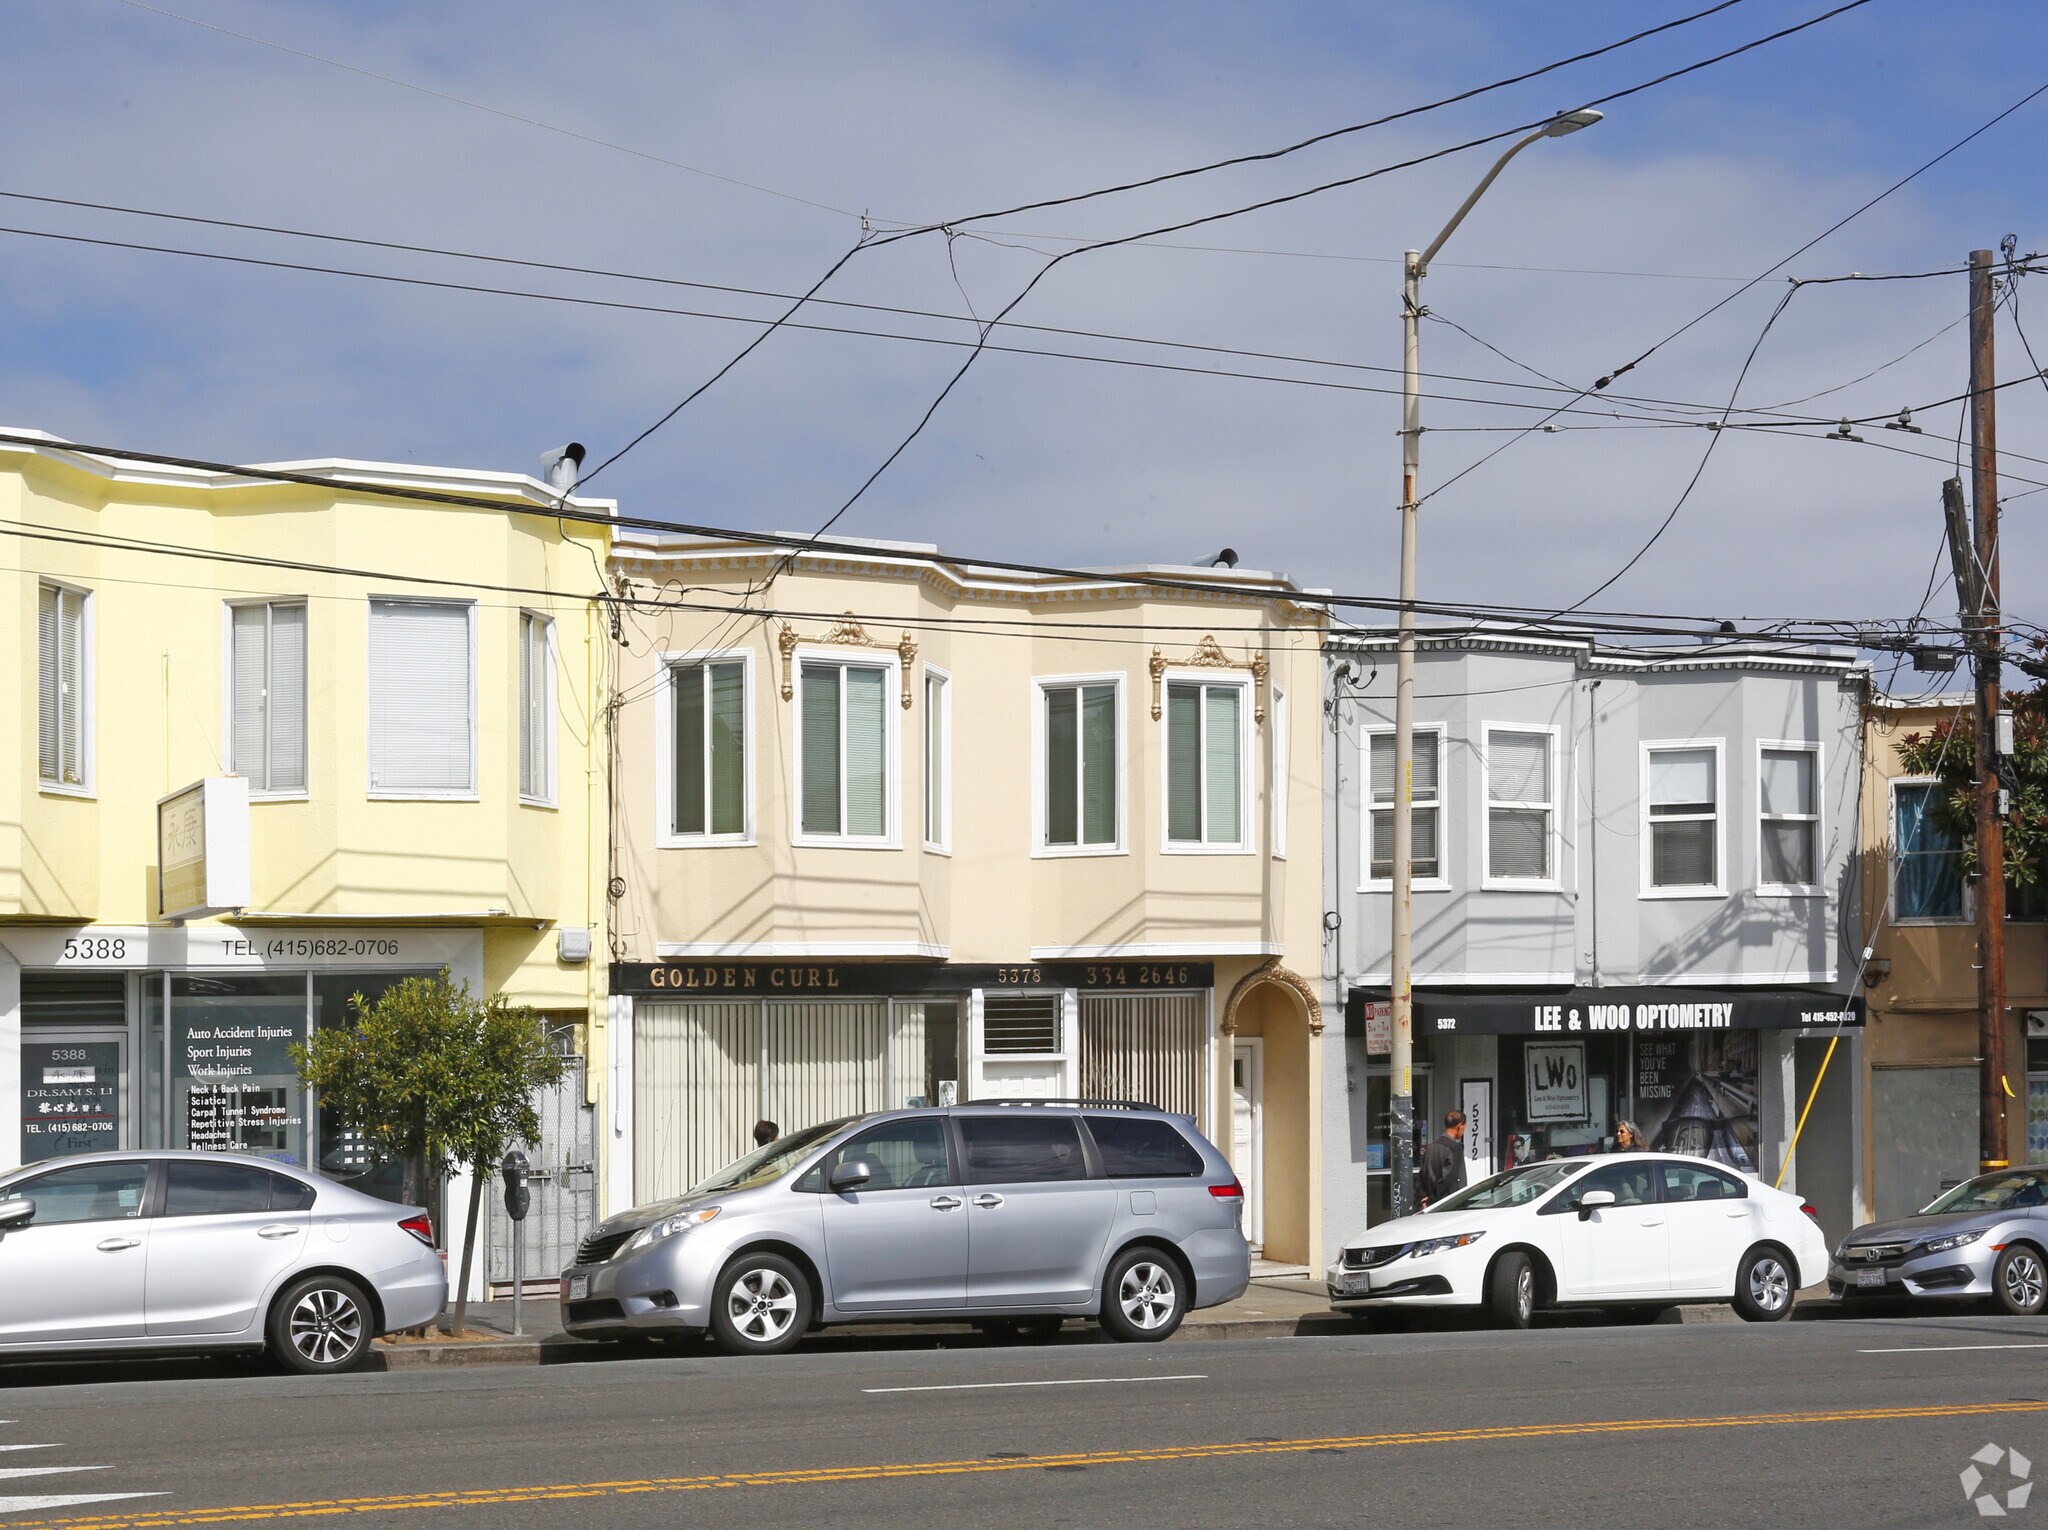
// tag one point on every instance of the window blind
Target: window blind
(49, 688)
(1184, 763)
(534, 719)
(285, 745)
(728, 748)
(420, 707)
(1224, 767)
(866, 751)
(1518, 836)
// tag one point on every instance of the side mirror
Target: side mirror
(1593, 1200)
(850, 1175)
(18, 1212)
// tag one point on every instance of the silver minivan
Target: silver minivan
(1015, 1215)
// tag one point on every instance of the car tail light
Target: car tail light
(421, 1228)
(1230, 1192)
(1810, 1211)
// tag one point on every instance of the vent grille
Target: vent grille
(1014, 1024)
(600, 1246)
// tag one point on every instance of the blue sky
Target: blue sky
(929, 112)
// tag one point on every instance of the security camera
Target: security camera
(560, 467)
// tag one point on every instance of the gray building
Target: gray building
(1635, 899)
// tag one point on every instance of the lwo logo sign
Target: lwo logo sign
(1982, 1490)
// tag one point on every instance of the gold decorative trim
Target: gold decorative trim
(847, 632)
(1270, 971)
(1209, 654)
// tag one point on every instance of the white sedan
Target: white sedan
(1635, 1231)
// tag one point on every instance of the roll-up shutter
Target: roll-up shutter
(1146, 1048)
(696, 1091)
(420, 697)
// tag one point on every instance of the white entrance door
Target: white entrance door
(1248, 1131)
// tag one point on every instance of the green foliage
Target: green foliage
(1948, 753)
(432, 1075)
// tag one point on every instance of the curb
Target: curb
(559, 1350)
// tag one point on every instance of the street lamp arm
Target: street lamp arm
(1450, 228)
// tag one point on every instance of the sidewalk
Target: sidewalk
(1280, 1307)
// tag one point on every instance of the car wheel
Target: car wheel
(1511, 1291)
(2021, 1280)
(1764, 1284)
(761, 1305)
(321, 1326)
(1143, 1297)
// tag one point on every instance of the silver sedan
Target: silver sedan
(1986, 1237)
(135, 1251)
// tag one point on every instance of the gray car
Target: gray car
(1018, 1215)
(109, 1252)
(1986, 1237)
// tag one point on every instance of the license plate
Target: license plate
(1356, 1285)
(579, 1287)
(1870, 1277)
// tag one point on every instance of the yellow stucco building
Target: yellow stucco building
(390, 709)
(915, 831)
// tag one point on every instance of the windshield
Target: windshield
(1510, 1188)
(771, 1162)
(2005, 1191)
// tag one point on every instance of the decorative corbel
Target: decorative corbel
(1158, 668)
(1261, 667)
(907, 650)
(787, 640)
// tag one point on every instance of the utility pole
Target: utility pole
(1984, 632)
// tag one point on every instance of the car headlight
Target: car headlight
(668, 1227)
(1948, 1241)
(1430, 1246)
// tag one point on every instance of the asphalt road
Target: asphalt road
(1866, 1423)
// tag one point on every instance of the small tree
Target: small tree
(1948, 752)
(435, 1077)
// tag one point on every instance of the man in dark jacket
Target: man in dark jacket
(1443, 1161)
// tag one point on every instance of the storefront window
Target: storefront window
(233, 1086)
(2037, 1101)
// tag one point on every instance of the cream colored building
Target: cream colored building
(1921, 1074)
(917, 831)
(391, 706)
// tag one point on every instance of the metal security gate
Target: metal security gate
(564, 1183)
(1147, 1048)
(705, 1072)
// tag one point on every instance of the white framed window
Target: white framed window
(1077, 753)
(1788, 797)
(1520, 769)
(846, 752)
(938, 760)
(703, 769)
(1278, 787)
(536, 709)
(64, 689)
(1207, 731)
(266, 689)
(422, 698)
(1681, 830)
(1426, 842)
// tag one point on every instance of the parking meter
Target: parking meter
(518, 1198)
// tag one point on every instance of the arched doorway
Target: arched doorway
(1271, 1028)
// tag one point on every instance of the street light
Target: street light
(1401, 1116)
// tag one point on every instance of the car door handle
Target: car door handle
(1653, 1221)
(115, 1245)
(1735, 1211)
(275, 1232)
(990, 1199)
(945, 1203)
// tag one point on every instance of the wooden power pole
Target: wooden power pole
(1985, 640)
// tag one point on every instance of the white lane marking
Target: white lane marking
(45, 1471)
(1945, 1349)
(51, 1446)
(992, 1386)
(64, 1500)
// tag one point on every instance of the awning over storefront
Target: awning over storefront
(1597, 1011)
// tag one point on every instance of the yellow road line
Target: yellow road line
(812, 1476)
